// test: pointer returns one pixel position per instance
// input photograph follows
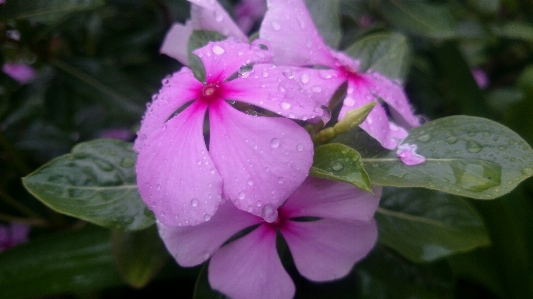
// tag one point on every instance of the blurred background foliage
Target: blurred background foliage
(98, 64)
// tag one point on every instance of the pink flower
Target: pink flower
(254, 161)
(205, 15)
(407, 154)
(295, 41)
(481, 78)
(249, 267)
(248, 12)
(13, 234)
(20, 72)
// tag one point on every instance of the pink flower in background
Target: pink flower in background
(481, 78)
(249, 267)
(248, 12)
(254, 161)
(13, 234)
(295, 41)
(205, 15)
(407, 154)
(20, 72)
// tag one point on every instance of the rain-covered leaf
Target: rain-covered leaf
(49, 10)
(198, 39)
(424, 225)
(467, 156)
(325, 15)
(384, 274)
(96, 182)
(74, 261)
(386, 53)
(420, 18)
(139, 255)
(341, 163)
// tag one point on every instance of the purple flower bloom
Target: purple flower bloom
(295, 41)
(248, 12)
(13, 234)
(205, 15)
(481, 78)
(253, 161)
(20, 72)
(249, 267)
(407, 153)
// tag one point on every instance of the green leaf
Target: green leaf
(49, 10)
(467, 156)
(420, 18)
(425, 225)
(202, 289)
(198, 39)
(325, 15)
(73, 261)
(351, 120)
(341, 163)
(139, 255)
(384, 274)
(387, 54)
(96, 182)
(514, 30)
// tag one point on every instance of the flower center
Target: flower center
(210, 92)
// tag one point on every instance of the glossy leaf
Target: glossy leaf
(387, 54)
(73, 261)
(385, 274)
(198, 39)
(325, 15)
(420, 18)
(96, 182)
(341, 163)
(425, 225)
(49, 10)
(467, 156)
(139, 255)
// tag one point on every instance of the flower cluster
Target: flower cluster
(225, 154)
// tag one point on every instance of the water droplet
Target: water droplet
(265, 74)
(478, 175)
(218, 16)
(451, 140)
(269, 213)
(316, 89)
(274, 142)
(250, 182)
(300, 147)
(424, 138)
(275, 25)
(281, 180)
(288, 73)
(194, 202)
(337, 165)
(285, 105)
(242, 195)
(218, 50)
(473, 147)
(349, 101)
(527, 171)
(304, 78)
(207, 217)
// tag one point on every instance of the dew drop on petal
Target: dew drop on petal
(218, 50)
(250, 182)
(317, 89)
(300, 147)
(274, 142)
(304, 78)
(269, 213)
(242, 195)
(281, 180)
(288, 73)
(194, 202)
(285, 105)
(349, 101)
(207, 217)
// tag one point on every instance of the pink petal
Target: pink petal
(319, 84)
(192, 245)
(393, 94)
(333, 200)
(177, 90)
(20, 72)
(250, 267)
(176, 42)
(248, 12)
(222, 59)
(210, 15)
(275, 89)
(293, 35)
(175, 174)
(377, 123)
(407, 153)
(261, 159)
(327, 249)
